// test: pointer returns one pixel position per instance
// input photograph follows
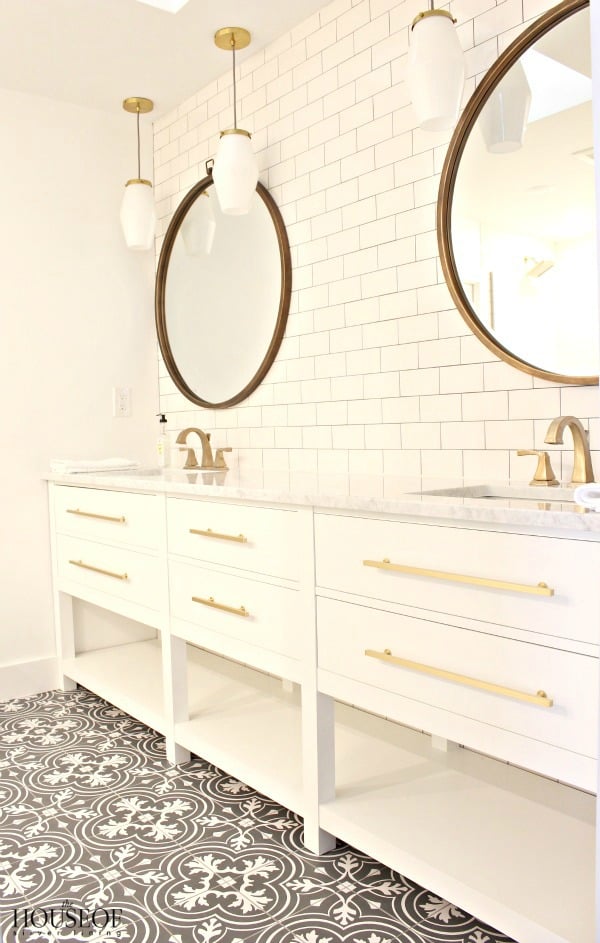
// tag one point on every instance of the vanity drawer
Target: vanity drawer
(257, 613)
(346, 631)
(262, 540)
(117, 571)
(444, 556)
(117, 517)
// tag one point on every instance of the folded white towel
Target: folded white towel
(68, 466)
(588, 496)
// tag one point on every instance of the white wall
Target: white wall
(76, 318)
(377, 372)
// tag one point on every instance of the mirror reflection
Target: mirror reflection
(522, 226)
(223, 288)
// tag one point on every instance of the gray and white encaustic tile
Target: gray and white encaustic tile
(102, 840)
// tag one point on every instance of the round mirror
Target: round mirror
(516, 212)
(223, 290)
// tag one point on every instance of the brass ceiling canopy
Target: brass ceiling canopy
(232, 37)
(138, 106)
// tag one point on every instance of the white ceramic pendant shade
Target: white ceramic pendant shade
(435, 70)
(503, 119)
(235, 171)
(199, 227)
(138, 214)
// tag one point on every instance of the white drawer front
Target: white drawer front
(117, 571)
(568, 567)
(258, 613)
(116, 517)
(346, 631)
(258, 539)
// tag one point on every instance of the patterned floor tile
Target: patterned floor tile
(307, 927)
(240, 815)
(243, 890)
(346, 886)
(440, 921)
(93, 815)
(214, 930)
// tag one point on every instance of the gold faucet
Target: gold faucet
(582, 460)
(207, 456)
(191, 461)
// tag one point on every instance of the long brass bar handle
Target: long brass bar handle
(542, 589)
(541, 698)
(97, 569)
(241, 611)
(99, 517)
(239, 538)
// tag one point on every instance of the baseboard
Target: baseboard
(24, 678)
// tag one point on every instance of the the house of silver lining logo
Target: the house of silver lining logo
(68, 915)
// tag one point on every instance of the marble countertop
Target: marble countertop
(525, 507)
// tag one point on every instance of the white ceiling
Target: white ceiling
(97, 52)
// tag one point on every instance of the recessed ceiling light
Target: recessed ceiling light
(171, 6)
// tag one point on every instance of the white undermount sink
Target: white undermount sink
(495, 492)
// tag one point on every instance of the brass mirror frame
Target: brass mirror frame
(456, 147)
(161, 282)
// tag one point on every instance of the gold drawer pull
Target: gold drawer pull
(541, 698)
(542, 589)
(242, 611)
(97, 569)
(98, 517)
(239, 538)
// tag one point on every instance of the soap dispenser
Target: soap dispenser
(162, 443)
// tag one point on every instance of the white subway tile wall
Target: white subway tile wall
(377, 371)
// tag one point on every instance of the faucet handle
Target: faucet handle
(190, 461)
(544, 474)
(219, 458)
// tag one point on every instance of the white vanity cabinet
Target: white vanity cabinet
(423, 688)
(482, 638)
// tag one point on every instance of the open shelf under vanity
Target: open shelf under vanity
(501, 840)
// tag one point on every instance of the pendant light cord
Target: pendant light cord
(138, 142)
(234, 89)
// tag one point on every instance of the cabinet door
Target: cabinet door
(258, 613)
(115, 517)
(541, 584)
(261, 540)
(544, 694)
(115, 571)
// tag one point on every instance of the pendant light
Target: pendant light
(435, 70)
(503, 120)
(199, 227)
(235, 172)
(138, 216)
